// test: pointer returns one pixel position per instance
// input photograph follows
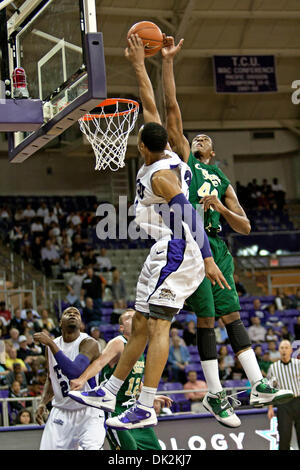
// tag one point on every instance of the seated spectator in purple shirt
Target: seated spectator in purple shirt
(258, 311)
(272, 318)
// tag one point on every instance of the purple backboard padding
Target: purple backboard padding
(20, 115)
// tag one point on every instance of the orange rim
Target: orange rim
(109, 102)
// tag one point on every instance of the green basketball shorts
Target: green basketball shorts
(209, 300)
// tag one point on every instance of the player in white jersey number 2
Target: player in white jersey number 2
(176, 265)
(69, 424)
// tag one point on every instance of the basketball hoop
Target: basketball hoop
(108, 131)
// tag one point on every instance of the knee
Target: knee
(206, 322)
(158, 327)
(231, 317)
(139, 324)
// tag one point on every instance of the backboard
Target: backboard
(57, 44)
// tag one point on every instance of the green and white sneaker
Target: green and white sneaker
(262, 393)
(219, 405)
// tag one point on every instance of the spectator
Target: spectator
(13, 359)
(190, 316)
(43, 210)
(195, 397)
(4, 313)
(74, 287)
(239, 286)
(224, 371)
(28, 213)
(91, 314)
(221, 332)
(58, 211)
(24, 418)
(190, 334)
(258, 311)
(282, 301)
(258, 352)
(272, 319)
(118, 290)
(15, 237)
(93, 286)
(16, 321)
(297, 329)
(15, 392)
(24, 351)
(103, 261)
(174, 334)
(50, 257)
(18, 215)
(65, 264)
(96, 334)
(77, 260)
(271, 335)
(223, 354)
(14, 337)
(285, 334)
(17, 374)
(274, 354)
(51, 217)
(256, 332)
(37, 227)
(45, 322)
(237, 371)
(89, 259)
(179, 357)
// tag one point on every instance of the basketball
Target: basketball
(150, 34)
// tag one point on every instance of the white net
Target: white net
(108, 132)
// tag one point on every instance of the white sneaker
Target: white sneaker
(262, 393)
(219, 405)
(99, 397)
(138, 416)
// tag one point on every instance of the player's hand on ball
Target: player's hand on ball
(41, 414)
(212, 202)
(77, 384)
(169, 50)
(135, 53)
(214, 274)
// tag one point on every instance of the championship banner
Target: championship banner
(245, 74)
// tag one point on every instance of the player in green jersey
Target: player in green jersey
(134, 439)
(212, 193)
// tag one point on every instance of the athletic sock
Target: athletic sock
(249, 362)
(211, 373)
(147, 396)
(113, 384)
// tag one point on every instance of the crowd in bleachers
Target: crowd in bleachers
(58, 236)
(269, 320)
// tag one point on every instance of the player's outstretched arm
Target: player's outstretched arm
(111, 352)
(177, 140)
(136, 55)
(232, 211)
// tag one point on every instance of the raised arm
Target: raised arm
(111, 352)
(136, 55)
(177, 140)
